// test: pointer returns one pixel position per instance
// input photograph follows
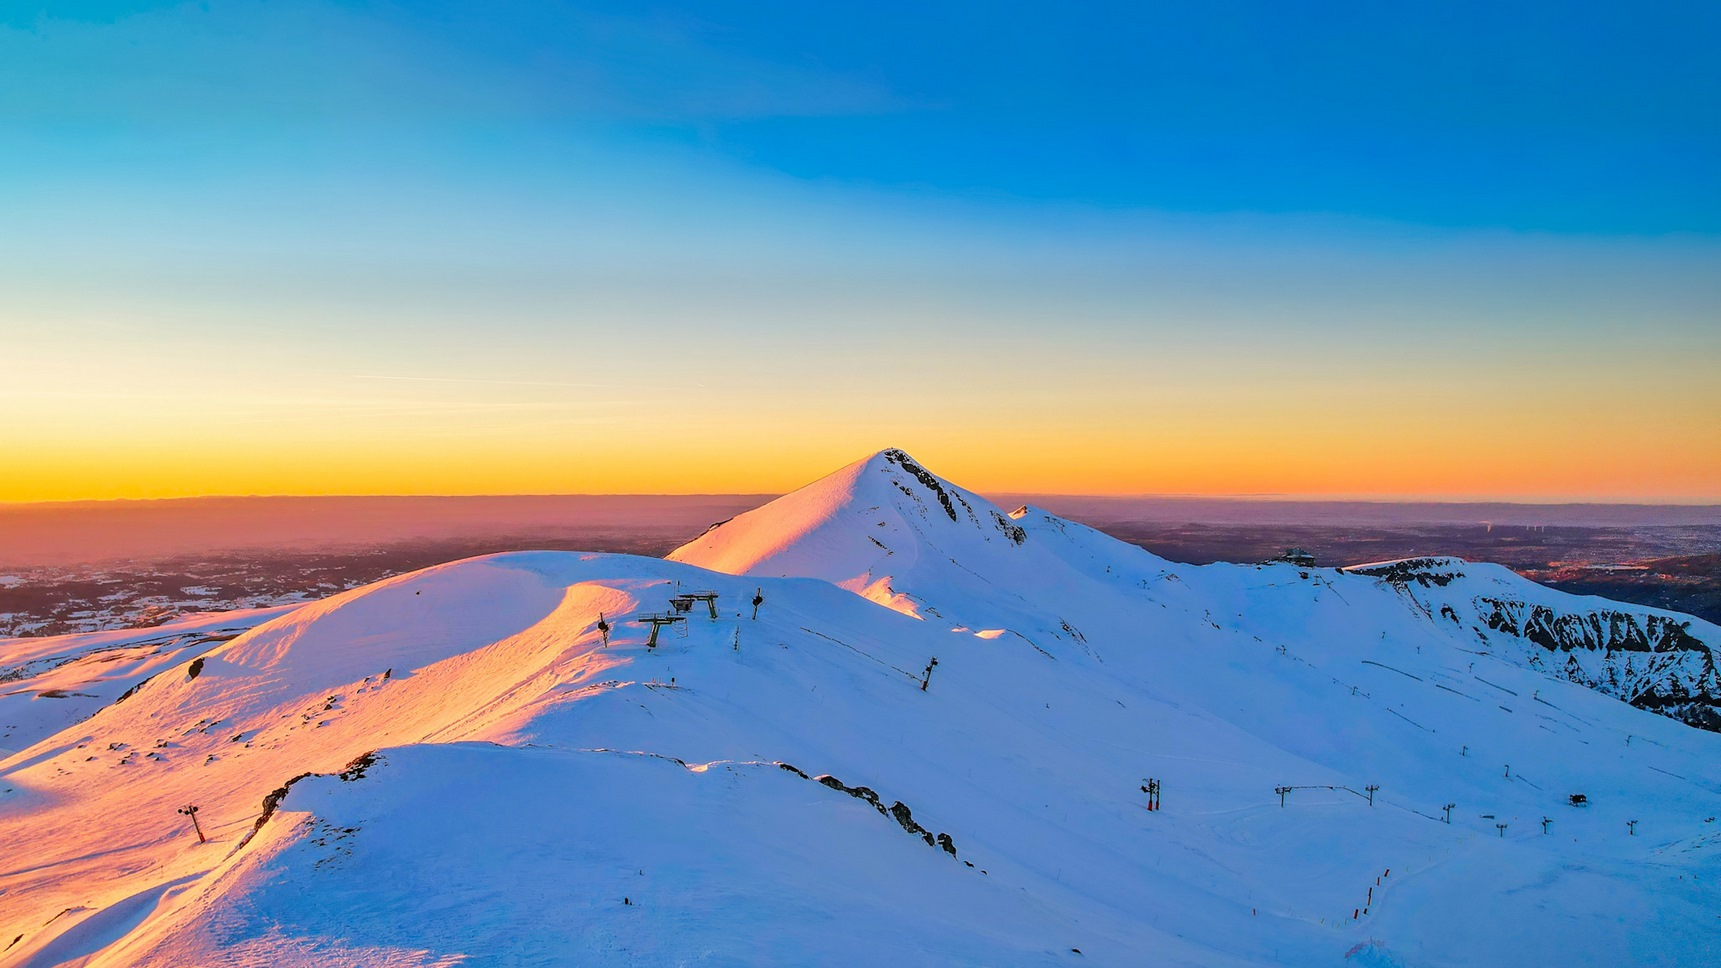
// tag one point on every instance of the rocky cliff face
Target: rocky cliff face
(1651, 661)
(1659, 661)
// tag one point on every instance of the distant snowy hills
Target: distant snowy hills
(1374, 766)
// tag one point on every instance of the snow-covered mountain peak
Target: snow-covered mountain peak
(899, 535)
(884, 515)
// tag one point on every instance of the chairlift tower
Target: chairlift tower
(683, 603)
(657, 622)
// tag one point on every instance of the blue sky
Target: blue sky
(1598, 117)
(1104, 223)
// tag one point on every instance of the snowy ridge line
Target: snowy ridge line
(355, 769)
(360, 765)
(678, 761)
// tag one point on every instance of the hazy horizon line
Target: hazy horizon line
(1261, 497)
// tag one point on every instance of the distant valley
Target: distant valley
(1666, 558)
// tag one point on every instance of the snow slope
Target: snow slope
(782, 790)
(51, 682)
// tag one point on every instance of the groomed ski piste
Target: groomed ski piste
(451, 767)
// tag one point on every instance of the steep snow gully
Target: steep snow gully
(918, 730)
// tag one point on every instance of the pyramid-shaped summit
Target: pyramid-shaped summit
(880, 515)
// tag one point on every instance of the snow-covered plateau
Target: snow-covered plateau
(1419, 763)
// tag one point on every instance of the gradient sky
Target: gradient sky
(1445, 250)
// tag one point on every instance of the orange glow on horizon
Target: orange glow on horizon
(1217, 462)
(1057, 418)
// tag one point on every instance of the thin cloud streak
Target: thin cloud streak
(505, 383)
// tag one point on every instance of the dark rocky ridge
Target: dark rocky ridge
(1651, 660)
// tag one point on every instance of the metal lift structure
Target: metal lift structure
(657, 622)
(683, 603)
